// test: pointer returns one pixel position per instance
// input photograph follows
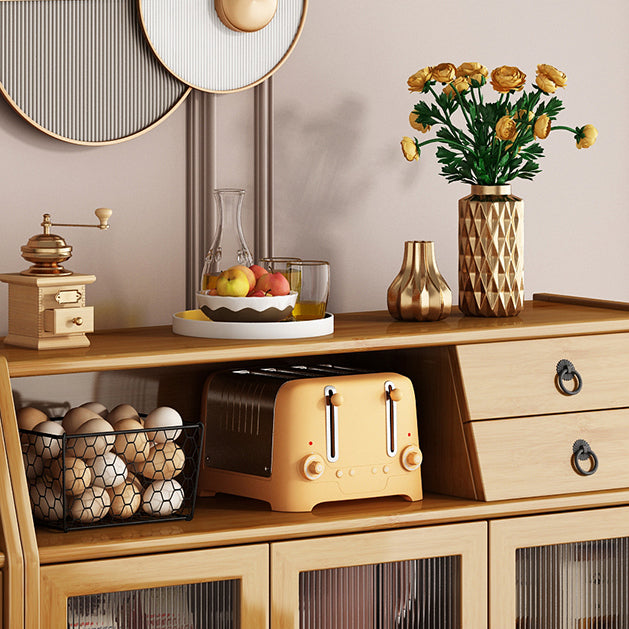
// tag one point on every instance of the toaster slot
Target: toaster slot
(331, 423)
(392, 396)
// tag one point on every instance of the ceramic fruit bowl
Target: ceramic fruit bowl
(268, 308)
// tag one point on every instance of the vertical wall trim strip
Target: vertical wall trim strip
(263, 181)
(200, 182)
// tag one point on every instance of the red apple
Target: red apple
(258, 271)
(256, 293)
(248, 272)
(273, 283)
(232, 283)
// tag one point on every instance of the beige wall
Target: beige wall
(343, 190)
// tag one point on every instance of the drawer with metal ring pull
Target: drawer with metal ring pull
(552, 454)
(541, 376)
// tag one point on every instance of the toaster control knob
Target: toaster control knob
(336, 399)
(411, 458)
(312, 467)
(395, 394)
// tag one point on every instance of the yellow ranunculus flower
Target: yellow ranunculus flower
(409, 149)
(506, 128)
(473, 70)
(417, 125)
(460, 84)
(545, 84)
(557, 77)
(507, 78)
(590, 135)
(417, 81)
(542, 127)
(523, 114)
(444, 73)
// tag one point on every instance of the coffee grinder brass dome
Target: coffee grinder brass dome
(47, 251)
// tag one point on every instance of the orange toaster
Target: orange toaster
(298, 436)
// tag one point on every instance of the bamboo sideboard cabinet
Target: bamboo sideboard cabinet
(524, 427)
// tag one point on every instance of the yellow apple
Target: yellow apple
(248, 272)
(232, 283)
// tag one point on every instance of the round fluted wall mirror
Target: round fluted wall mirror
(82, 70)
(225, 46)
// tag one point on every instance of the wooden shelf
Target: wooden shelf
(364, 331)
(228, 520)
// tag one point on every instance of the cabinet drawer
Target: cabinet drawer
(515, 378)
(533, 456)
(69, 320)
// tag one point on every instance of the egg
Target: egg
(164, 461)
(122, 411)
(131, 446)
(76, 417)
(28, 417)
(99, 442)
(126, 498)
(97, 408)
(33, 463)
(163, 417)
(162, 497)
(109, 470)
(73, 475)
(47, 501)
(92, 505)
(48, 447)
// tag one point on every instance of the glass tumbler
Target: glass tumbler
(311, 280)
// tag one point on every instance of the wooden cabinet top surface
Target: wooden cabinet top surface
(365, 331)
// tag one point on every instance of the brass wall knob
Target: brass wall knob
(337, 399)
(395, 394)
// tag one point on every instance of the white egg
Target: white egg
(163, 417)
(97, 407)
(47, 501)
(99, 441)
(76, 417)
(92, 505)
(48, 447)
(162, 497)
(109, 470)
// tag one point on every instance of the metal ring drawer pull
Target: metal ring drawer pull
(565, 373)
(582, 452)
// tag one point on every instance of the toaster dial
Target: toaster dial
(411, 458)
(312, 467)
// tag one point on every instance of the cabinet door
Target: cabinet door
(432, 577)
(224, 588)
(560, 571)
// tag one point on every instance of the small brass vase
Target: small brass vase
(491, 252)
(419, 292)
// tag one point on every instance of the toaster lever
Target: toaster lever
(332, 401)
(392, 397)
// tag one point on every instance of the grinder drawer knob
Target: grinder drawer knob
(312, 467)
(411, 458)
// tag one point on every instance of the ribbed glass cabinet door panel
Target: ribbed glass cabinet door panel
(398, 595)
(574, 586)
(212, 605)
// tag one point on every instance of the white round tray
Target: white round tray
(195, 323)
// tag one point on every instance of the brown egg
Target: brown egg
(48, 447)
(76, 417)
(33, 463)
(126, 499)
(122, 411)
(92, 446)
(96, 407)
(164, 461)
(77, 475)
(29, 416)
(92, 505)
(131, 446)
(47, 501)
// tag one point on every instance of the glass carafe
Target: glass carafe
(229, 247)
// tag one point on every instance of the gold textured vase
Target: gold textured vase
(419, 292)
(491, 252)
